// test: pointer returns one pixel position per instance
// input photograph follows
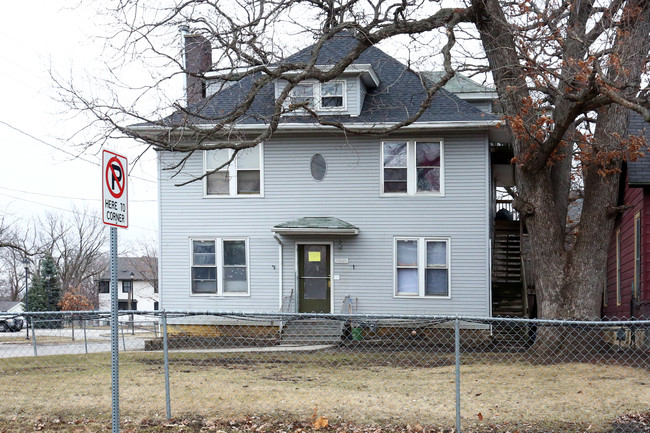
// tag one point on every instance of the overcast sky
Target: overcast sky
(39, 172)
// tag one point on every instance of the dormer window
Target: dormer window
(332, 94)
(303, 92)
(328, 96)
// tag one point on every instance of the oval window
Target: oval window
(318, 167)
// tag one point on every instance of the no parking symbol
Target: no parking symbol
(114, 191)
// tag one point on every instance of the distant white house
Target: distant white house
(12, 306)
(137, 285)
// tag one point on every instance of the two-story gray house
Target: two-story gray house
(317, 220)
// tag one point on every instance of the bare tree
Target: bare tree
(567, 74)
(18, 244)
(77, 246)
(12, 238)
(12, 285)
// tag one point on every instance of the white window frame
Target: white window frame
(422, 266)
(231, 169)
(314, 93)
(318, 98)
(344, 105)
(411, 169)
(219, 256)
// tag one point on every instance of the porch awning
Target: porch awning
(316, 226)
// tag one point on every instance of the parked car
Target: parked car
(11, 324)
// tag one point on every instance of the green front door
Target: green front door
(314, 288)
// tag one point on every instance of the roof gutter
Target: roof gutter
(359, 126)
(314, 231)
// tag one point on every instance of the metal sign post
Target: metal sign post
(115, 347)
(115, 214)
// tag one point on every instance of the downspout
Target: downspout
(280, 288)
(160, 233)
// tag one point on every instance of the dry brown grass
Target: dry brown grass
(344, 387)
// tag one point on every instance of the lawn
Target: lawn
(394, 388)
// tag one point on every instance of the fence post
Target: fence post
(85, 337)
(34, 337)
(72, 326)
(166, 361)
(123, 340)
(457, 362)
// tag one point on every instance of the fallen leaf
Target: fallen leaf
(321, 422)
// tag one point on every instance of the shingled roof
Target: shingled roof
(143, 269)
(398, 95)
(459, 83)
(639, 170)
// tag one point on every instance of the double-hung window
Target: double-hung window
(412, 167)
(127, 286)
(421, 267)
(220, 267)
(332, 95)
(242, 177)
(301, 93)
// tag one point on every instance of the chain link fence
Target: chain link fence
(424, 373)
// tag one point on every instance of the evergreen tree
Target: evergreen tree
(49, 272)
(37, 294)
(45, 293)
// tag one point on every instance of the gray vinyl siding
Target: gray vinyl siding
(350, 191)
(361, 95)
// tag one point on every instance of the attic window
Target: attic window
(332, 94)
(303, 92)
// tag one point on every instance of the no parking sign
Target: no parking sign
(115, 192)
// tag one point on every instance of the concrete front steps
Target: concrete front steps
(313, 331)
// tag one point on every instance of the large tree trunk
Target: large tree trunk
(569, 267)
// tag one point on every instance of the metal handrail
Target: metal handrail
(286, 306)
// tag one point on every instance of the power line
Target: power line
(70, 210)
(63, 150)
(48, 144)
(67, 197)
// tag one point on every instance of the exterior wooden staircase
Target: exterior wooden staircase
(312, 332)
(509, 292)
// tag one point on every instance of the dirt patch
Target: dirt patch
(349, 359)
(629, 423)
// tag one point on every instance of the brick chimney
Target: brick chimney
(198, 60)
